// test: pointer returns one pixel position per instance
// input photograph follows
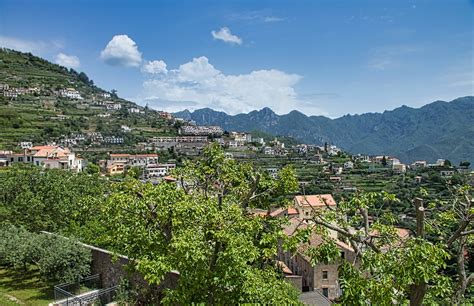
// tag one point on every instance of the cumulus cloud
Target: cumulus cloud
(69, 61)
(197, 84)
(122, 51)
(154, 67)
(225, 35)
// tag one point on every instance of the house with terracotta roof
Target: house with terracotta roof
(307, 205)
(50, 157)
(321, 277)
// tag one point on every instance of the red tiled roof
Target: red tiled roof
(315, 200)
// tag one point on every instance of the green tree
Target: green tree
(205, 230)
(92, 169)
(394, 269)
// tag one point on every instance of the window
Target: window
(20, 159)
(343, 255)
(326, 292)
(325, 274)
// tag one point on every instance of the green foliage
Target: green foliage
(47, 200)
(203, 230)
(57, 259)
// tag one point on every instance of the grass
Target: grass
(18, 287)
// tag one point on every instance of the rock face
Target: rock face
(437, 130)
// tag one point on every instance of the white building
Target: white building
(348, 165)
(70, 93)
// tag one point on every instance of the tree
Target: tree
(447, 163)
(205, 230)
(92, 169)
(395, 269)
(464, 164)
(384, 161)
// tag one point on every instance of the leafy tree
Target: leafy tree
(394, 269)
(92, 169)
(384, 161)
(447, 163)
(204, 230)
(47, 200)
(57, 258)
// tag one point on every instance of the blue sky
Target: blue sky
(319, 57)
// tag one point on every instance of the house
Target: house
(50, 157)
(10, 94)
(307, 204)
(4, 87)
(348, 165)
(335, 179)
(447, 172)
(258, 140)
(26, 144)
(113, 139)
(323, 278)
(201, 130)
(134, 110)
(418, 179)
(268, 151)
(70, 93)
(113, 106)
(158, 170)
(419, 164)
(105, 95)
(281, 212)
(273, 172)
(125, 128)
(399, 168)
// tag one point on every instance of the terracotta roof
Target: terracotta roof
(292, 211)
(169, 178)
(119, 155)
(316, 200)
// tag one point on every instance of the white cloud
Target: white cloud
(122, 51)
(69, 61)
(24, 45)
(225, 35)
(199, 84)
(154, 67)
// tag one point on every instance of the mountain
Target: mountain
(32, 107)
(437, 130)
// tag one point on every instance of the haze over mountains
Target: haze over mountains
(437, 130)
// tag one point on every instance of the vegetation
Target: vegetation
(57, 259)
(203, 230)
(36, 116)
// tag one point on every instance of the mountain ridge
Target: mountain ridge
(439, 129)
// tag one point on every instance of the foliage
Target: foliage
(47, 200)
(57, 259)
(392, 268)
(204, 230)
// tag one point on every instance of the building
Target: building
(113, 106)
(113, 140)
(105, 95)
(419, 164)
(399, 168)
(70, 93)
(306, 204)
(323, 278)
(26, 145)
(134, 110)
(348, 165)
(158, 170)
(201, 130)
(50, 157)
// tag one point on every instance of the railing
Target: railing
(85, 291)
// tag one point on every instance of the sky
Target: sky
(327, 58)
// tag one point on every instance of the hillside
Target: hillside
(41, 101)
(436, 130)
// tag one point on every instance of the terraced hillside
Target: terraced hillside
(32, 107)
